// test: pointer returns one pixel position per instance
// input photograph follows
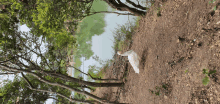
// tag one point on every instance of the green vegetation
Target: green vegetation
(215, 7)
(156, 92)
(18, 88)
(53, 37)
(78, 63)
(212, 1)
(123, 35)
(90, 26)
(46, 18)
(159, 89)
(98, 72)
(158, 12)
(186, 71)
(207, 72)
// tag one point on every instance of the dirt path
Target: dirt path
(174, 49)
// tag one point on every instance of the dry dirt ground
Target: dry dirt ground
(174, 49)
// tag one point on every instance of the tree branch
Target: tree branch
(7, 60)
(123, 7)
(85, 1)
(111, 12)
(34, 52)
(135, 5)
(94, 77)
(8, 73)
(70, 99)
(58, 84)
(56, 99)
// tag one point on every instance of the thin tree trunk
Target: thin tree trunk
(92, 13)
(123, 7)
(93, 84)
(135, 5)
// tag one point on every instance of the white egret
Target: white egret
(133, 59)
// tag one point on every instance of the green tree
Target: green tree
(48, 18)
(49, 68)
(17, 89)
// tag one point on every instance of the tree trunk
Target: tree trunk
(122, 7)
(93, 84)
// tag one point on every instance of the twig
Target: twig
(8, 73)
(111, 12)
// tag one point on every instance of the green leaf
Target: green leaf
(205, 80)
(214, 8)
(62, 63)
(186, 71)
(211, 72)
(205, 71)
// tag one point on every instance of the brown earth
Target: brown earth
(174, 49)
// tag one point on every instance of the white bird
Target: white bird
(133, 59)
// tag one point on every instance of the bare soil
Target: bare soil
(175, 46)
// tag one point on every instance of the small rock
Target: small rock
(165, 97)
(178, 41)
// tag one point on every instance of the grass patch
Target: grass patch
(164, 88)
(137, 22)
(123, 35)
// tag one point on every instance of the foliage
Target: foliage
(156, 92)
(164, 88)
(78, 62)
(98, 72)
(90, 26)
(17, 88)
(123, 36)
(48, 41)
(207, 72)
(17, 49)
(47, 18)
